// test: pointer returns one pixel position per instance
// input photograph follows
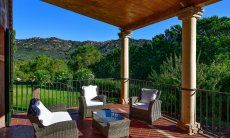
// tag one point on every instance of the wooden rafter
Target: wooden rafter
(129, 14)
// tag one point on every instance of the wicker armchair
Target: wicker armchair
(90, 101)
(56, 130)
(147, 112)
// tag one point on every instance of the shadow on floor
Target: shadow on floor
(18, 131)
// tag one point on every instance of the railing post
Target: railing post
(124, 38)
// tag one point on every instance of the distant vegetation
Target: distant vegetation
(57, 48)
(158, 60)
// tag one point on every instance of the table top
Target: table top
(107, 115)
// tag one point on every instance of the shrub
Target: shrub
(83, 74)
(62, 76)
(42, 76)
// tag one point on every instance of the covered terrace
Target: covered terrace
(130, 15)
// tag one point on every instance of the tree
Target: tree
(141, 60)
(22, 70)
(210, 77)
(19, 74)
(213, 38)
(109, 66)
(43, 69)
(84, 57)
(42, 76)
(60, 71)
(13, 35)
(42, 62)
(170, 72)
(166, 45)
(158, 59)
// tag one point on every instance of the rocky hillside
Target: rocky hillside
(58, 48)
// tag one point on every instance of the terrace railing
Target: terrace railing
(109, 87)
(212, 108)
(62, 93)
(212, 112)
(51, 94)
(170, 96)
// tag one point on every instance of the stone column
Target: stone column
(188, 102)
(124, 38)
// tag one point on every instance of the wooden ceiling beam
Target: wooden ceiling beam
(207, 3)
(69, 5)
(157, 17)
(151, 19)
(129, 14)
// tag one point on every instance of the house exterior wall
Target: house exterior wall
(4, 23)
(2, 82)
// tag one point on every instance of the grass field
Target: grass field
(22, 95)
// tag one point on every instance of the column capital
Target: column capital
(124, 34)
(196, 12)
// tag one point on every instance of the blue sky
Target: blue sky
(33, 18)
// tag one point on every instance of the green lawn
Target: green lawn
(23, 93)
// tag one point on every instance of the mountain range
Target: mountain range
(59, 48)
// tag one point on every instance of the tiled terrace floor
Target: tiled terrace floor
(161, 128)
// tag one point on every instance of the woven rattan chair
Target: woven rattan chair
(147, 112)
(56, 130)
(90, 100)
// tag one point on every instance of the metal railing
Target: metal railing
(212, 112)
(170, 95)
(62, 93)
(51, 94)
(109, 87)
(212, 108)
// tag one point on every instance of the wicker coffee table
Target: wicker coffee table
(110, 123)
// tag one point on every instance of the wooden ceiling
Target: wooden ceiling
(129, 14)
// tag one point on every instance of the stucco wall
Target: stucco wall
(2, 96)
(3, 13)
(3, 25)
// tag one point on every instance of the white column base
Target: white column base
(124, 101)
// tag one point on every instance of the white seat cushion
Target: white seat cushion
(60, 117)
(148, 95)
(48, 118)
(93, 103)
(143, 106)
(90, 92)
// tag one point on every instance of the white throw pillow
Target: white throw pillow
(148, 95)
(90, 92)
